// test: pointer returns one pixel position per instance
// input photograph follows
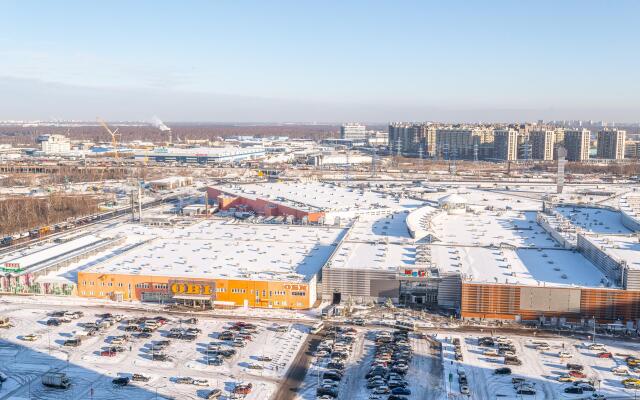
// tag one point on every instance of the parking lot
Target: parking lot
(542, 368)
(172, 357)
(359, 363)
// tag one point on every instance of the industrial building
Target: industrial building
(307, 202)
(54, 144)
(215, 263)
(353, 131)
(483, 254)
(201, 155)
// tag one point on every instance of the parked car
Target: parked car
(464, 389)
(574, 390)
(72, 342)
(121, 381)
(502, 371)
(243, 388)
(30, 338)
(140, 378)
(213, 394)
(529, 391)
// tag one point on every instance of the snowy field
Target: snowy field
(91, 373)
(540, 368)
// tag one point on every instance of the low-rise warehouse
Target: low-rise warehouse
(313, 201)
(216, 262)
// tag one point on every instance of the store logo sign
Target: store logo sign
(191, 288)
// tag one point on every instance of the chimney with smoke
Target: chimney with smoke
(163, 128)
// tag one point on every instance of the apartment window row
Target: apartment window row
(298, 293)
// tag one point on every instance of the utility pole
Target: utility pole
(140, 202)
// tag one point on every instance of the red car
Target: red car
(108, 353)
(577, 374)
(605, 354)
(243, 388)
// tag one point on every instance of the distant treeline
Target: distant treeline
(21, 214)
(28, 135)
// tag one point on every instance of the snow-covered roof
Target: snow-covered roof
(452, 198)
(224, 250)
(622, 247)
(535, 267)
(318, 196)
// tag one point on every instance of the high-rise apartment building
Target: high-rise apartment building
(458, 143)
(412, 139)
(576, 141)
(505, 143)
(611, 144)
(542, 144)
(632, 149)
(353, 131)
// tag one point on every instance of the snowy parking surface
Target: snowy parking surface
(91, 374)
(424, 375)
(540, 368)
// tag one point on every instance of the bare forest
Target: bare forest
(20, 214)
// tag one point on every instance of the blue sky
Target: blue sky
(320, 60)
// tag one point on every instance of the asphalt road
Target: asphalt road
(298, 370)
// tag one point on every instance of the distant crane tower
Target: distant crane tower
(114, 137)
(562, 154)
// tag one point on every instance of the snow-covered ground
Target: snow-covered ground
(540, 368)
(91, 374)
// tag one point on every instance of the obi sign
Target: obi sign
(194, 289)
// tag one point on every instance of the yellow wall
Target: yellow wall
(270, 292)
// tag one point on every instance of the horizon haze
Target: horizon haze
(249, 61)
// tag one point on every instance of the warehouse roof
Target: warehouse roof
(220, 249)
(622, 247)
(597, 220)
(536, 267)
(491, 227)
(35, 257)
(318, 196)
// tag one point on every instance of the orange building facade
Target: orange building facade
(227, 292)
(512, 302)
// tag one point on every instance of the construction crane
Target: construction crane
(114, 137)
